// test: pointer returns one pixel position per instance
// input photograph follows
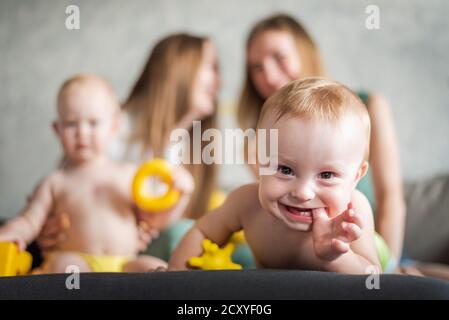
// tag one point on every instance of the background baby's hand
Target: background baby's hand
(54, 232)
(146, 233)
(10, 236)
(332, 236)
(184, 183)
(183, 180)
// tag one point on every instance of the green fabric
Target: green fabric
(383, 252)
(366, 185)
(165, 244)
(244, 257)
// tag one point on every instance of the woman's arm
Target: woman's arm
(385, 164)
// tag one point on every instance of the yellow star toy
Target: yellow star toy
(215, 258)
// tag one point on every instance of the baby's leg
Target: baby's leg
(144, 264)
(58, 263)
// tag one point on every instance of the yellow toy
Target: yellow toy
(238, 238)
(217, 198)
(215, 258)
(12, 261)
(160, 168)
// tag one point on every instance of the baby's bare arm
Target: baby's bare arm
(26, 226)
(217, 226)
(362, 257)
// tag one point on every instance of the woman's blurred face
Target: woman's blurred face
(207, 82)
(273, 61)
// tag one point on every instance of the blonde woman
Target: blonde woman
(178, 85)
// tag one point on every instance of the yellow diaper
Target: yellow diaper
(96, 263)
(105, 263)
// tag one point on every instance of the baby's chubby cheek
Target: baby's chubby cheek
(337, 202)
(267, 195)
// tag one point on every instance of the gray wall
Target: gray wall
(405, 60)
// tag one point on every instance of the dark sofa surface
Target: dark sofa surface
(248, 284)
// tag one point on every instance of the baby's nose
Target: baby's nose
(303, 192)
(83, 129)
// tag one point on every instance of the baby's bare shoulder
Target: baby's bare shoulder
(361, 203)
(54, 178)
(48, 184)
(121, 170)
(245, 199)
(125, 167)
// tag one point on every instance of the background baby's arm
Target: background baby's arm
(217, 226)
(26, 226)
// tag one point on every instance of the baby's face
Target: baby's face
(319, 165)
(86, 122)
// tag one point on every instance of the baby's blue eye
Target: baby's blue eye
(326, 175)
(70, 124)
(285, 170)
(256, 68)
(279, 56)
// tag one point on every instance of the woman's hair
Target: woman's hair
(250, 103)
(161, 97)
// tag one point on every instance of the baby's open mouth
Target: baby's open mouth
(299, 214)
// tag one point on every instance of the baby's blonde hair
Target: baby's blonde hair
(86, 79)
(317, 99)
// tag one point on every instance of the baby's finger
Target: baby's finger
(321, 223)
(144, 237)
(21, 245)
(154, 233)
(352, 217)
(158, 269)
(47, 243)
(144, 234)
(143, 225)
(356, 219)
(339, 246)
(51, 228)
(184, 185)
(351, 231)
(143, 244)
(319, 215)
(183, 180)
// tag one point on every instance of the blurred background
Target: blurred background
(405, 60)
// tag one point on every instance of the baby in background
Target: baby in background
(308, 214)
(92, 190)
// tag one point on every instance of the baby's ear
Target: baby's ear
(54, 126)
(361, 171)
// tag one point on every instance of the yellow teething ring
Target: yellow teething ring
(160, 168)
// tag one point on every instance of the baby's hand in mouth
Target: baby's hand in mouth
(332, 236)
